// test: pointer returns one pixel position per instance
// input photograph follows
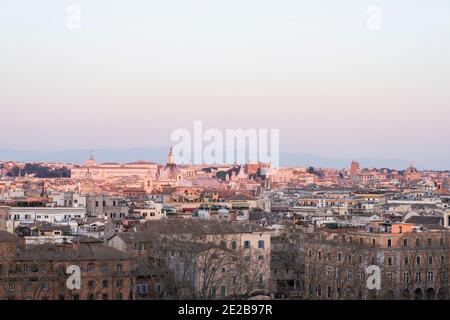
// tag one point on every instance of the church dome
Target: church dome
(411, 170)
(171, 170)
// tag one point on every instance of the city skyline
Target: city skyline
(130, 75)
(159, 155)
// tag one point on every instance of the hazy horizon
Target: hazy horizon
(135, 71)
(159, 155)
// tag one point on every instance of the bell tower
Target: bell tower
(170, 157)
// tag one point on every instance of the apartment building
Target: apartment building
(414, 263)
(16, 216)
(42, 273)
(234, 257)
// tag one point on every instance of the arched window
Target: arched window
(91, 267)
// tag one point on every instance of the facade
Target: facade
(206, 259)
(101, 171)
(16, 216)
(150, 211)
(41, 273)
(106, 207)
(414, 265)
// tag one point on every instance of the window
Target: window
(441, 242)
(260, 257)
(158, 288)
(91, 284)
(261, 281)
(139, 246)
(104, 296)
(105, 268)
(261, 244)
(119, 268)
(430, 276)
(430, 260)
(234, 244)
(405, 242)
(11, 287)
(390, 261)
(329, 293)
(417, 242)
(389, 243)
(35, 268)
(76, 296)
(389, 276)
(406, 261)
(339, 257)
(319, 291)
(119, 296)
(373, 242)
(213, 292)
(223, 292)
(45, 286)
(361, 274)
(91, 267)
(418, 260)
(329, 271)
(119, 283)
(247, 244)
(349, 275)
(360, 259)
(406, 277)
(91, 296)
(418, 277)
(361, 240)
(105, 284)
(28, 287)
(319, 254)
(429, 241)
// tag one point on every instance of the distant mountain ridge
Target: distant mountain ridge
(159, 155)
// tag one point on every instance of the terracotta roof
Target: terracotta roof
(86, 252)
(8, 237)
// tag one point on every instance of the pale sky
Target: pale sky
(137, 70)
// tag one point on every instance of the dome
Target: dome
(411, 170)
(170, 172)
